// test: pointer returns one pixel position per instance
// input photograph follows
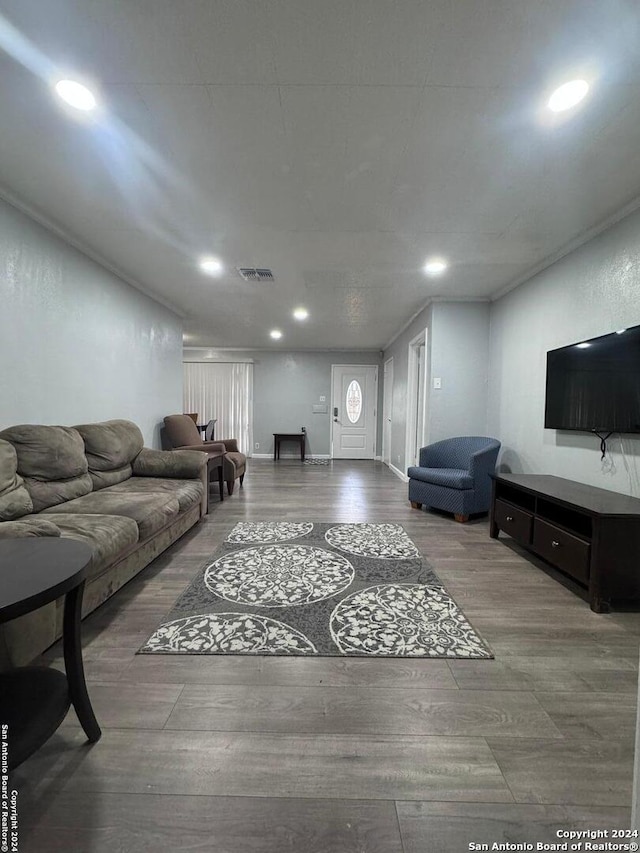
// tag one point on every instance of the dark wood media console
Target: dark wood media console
(592, 535)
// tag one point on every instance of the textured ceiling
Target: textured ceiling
(337, 142)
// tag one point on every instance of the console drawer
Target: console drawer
(514, 521)
(566, 552)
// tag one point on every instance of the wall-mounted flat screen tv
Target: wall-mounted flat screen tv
(595, 384)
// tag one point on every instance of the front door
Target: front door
(354, 398)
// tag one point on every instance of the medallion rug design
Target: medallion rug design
(299, 588)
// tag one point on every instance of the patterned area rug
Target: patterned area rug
(315, 461)
(297, 588)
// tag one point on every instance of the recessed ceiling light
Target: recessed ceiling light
(584, 345)
(76, 95)
(568, 95)
(276, 334)
(301, 313)
(212, 266)
(434, 266)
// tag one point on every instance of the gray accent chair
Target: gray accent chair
(453, 475)
(183, 434)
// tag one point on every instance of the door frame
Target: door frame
(412, 395)
(375, 406)
(387, 410)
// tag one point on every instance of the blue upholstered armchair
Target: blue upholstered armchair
(453, 475)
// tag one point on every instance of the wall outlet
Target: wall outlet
(437, 383)
(322, 398)
(257, 445)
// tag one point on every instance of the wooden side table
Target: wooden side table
(35, 700)
(278, 437)
(215, 463)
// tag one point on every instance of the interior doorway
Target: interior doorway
(417, 398)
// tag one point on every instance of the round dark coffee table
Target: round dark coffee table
(35, 700)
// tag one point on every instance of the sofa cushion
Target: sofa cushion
(151, 512)
(51, 459)
(15, 500)
(27, 527)
(110, 448)
(110, 536)
(188, 493)
(453, 478)
(178, 464)
(46, 494)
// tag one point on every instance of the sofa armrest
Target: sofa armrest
(22, 528)
(230, 445)
(483, 461)
(173, 464)
(212, 447)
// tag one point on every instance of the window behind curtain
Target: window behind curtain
(224, 391)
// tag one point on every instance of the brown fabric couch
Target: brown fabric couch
(96, 483)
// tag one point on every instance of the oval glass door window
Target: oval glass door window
(353, 402)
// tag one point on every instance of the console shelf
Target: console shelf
(589, 534)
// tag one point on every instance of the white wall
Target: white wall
(460, 358)
(457, 335)
(592, 291)
(77, 344)
(285, 387)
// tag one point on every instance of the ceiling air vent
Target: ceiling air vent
(255, 274)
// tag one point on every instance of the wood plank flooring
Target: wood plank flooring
(344, 755)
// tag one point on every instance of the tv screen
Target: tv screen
(595, 384)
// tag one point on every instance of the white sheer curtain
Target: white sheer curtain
(223, 391)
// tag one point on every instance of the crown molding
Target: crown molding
(80, 246)
(571, 246)
(373, 350)
(431, 301)
(406, 325)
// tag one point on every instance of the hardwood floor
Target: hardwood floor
(344, 755)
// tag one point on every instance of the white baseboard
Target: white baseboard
(290, 456)
(320, 456)
(398, 473)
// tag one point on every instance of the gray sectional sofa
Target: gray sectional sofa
(99, 484)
